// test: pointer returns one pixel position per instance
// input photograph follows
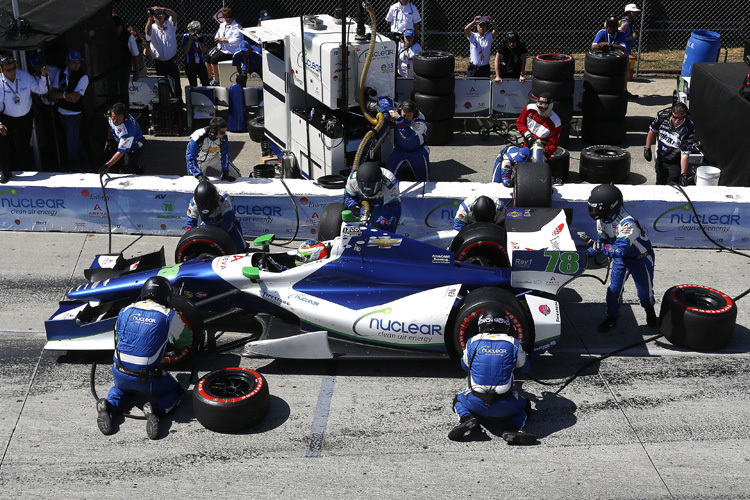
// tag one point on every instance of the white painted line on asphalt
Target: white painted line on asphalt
(320, 420)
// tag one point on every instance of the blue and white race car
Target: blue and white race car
(377, 294)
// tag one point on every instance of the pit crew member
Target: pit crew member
(411, 148)
(479, 208)
(142, 331)
(673, 132)
(490, 357)
(379, 187)
(124, 135)
(214, 209)
(621, 238)
(208, 147)
(538, 121)
(506, 161)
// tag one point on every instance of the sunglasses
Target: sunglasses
(159, 15)
(9, 70)
(678, 117)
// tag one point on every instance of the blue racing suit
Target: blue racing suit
(385, 206)
(222, 216)
(411, 146)
(509, 157)
(465, 214)
(202, 151)
(142, 331)
(490, 359)
(627, 244)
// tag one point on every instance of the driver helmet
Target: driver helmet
(484, 209)
(310, 251)
(605, 201)
(369, 178)
(493, 320)
(206, 197)
(158, 289)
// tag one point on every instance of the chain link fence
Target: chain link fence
(663, 26)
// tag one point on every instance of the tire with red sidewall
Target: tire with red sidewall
(482, 243)
(174, 356)
(465, 324)
(553, 67)
(203, 240)
(231, 399)
(697, 317)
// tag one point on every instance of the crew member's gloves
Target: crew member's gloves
(684, 179)
(394, 115)
(647, 154)
(364, 217)
(592, 243)
(226, 177)
(585, 237)
(528, 138)
(103, 169)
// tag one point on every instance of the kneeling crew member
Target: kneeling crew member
(215, 209)
(379, 187)
(478, 209)
(208, 147)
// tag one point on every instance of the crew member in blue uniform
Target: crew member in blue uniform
(506, 160)
(214, 209)
(379, 188)
(479, 208)
(125, 135)
(410, 130)
(209, 147)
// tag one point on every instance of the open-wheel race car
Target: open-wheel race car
(377, 294)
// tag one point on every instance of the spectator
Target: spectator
(163, 44)
(227, 39)
(407, 49)
(538, 122)
(490, 357)
(45, 118)
(16, 118)
(673, 132)
(480, 46)
(213, 208)
(505, 164)
(195, 49)
(621, 238)
(209, 147)
(247, 61)
(68, 88)
(510, 59)
(263, 16)
(126, 140)
(402, 16)
(479, 208)
(129, 58)
(142, 331)
(626, 26)
(379, 188)
(609, 38)
(143, 50)
(411, 142)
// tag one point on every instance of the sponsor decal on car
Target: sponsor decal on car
(384, 242)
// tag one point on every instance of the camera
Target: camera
(150, 12)
(484, 19)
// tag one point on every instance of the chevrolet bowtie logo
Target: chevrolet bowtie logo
(384, 242)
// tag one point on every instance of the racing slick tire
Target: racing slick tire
(437, 85)
(434, 63)
(560, 91)
(553, 67)
(330, 221)
(465, 324)
(605, 106)
(603, 84)
(256, 128)
(559, 163)
(697, 317)
(533, 186)
(436, 107)
(231, 399)
(439, 132)
(210, 240)
(481, 243)
(602, 164)
(606, 62)
(174, 356)
(595, 131)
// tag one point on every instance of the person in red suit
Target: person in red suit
(538, 122)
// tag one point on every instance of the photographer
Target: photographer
(480, 45)
(195, 49)
(162, 37)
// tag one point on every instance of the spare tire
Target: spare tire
(436, 107)
(595, 131)
(211, 240)
(437, 85)
(604, 84)
(231, 399)
(606, 62)
(439, 132)
(602, 164)
(553, 67)
(605, 107)
(697, 317)
(257, 129)
(432, 63)
(533, 186)
(329, 225)
(174, 356)
(559, 163)
(560, 91)
(481, 243)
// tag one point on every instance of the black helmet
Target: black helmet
(484, 209)
(369, 178)
(158, 289)
(494, 320)
(206, 197)
(604, 201)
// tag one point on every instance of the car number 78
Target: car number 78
(562, 262)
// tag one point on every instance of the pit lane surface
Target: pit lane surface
(655, 422)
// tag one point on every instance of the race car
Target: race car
(377, 294)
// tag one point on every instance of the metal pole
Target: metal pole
(421, 32)
(640, 39)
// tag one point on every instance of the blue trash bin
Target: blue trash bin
(703, 46)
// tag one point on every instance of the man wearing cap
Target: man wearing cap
(128, 54)
(16, 119)
(162, 36)
(480, 45)
(126, 137)
(407, 49)
(402, 16)
(609, 38)
(510, 59)
(626, 26)
(538, 122)
(68, 87)
(247, 60)
(194, 46)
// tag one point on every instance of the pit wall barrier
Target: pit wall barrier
(153, 205)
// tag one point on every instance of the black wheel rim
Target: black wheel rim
(701, 300)
(230, 386)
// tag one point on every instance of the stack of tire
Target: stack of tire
(553, 73)
(605, 103)
(434, 84)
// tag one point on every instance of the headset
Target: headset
(7, 60)
(214, 126)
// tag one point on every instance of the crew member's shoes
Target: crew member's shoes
(4, 178)
(606, 325)
(226, 177)
(103, 417)
(465, 425)
(651, 318)
(213, 83)
(513, 435)
(152, 421)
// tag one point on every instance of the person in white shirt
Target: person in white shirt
(161, 34)
(480, 45)
(68, 87)
(227, 39)
(16, 119)
(406, 52)
(402, 16)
